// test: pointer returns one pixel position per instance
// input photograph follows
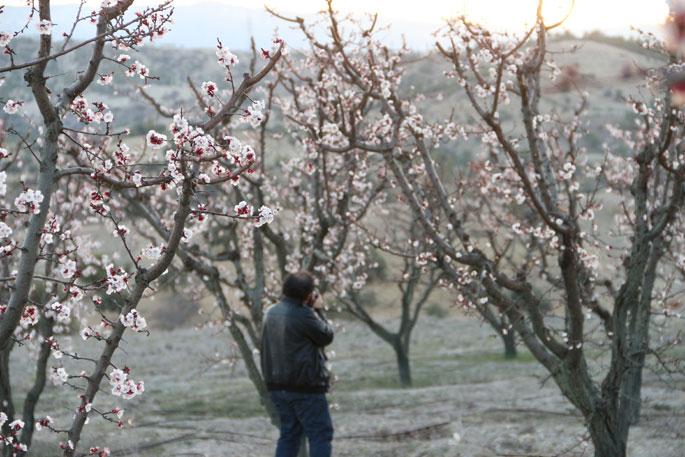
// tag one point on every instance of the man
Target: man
(294, 367)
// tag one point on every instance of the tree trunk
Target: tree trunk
(29, 249)
(509, 340)
(38, 384)
(403, 364)
(631, 395)
(6, 403)
(608, 437)
(500, 324)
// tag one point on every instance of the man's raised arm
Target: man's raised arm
(317, 328)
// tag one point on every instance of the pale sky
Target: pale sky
(611, 16)
(587, 14)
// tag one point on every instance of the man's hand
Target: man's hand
(315, 301)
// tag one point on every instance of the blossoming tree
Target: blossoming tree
(54, 306)
(535, 251)
(92, 160)
(321, 194)
(220, 239)
(355, 118)
(410, 267)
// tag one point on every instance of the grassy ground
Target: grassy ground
(200, 406)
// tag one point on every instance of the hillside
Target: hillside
(607, 72)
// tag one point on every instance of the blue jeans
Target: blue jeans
(303, 413)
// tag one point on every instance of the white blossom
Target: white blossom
(44, 27)
(116, 279)
(133, 320)
(265, 215)
(137, 178)
(59, 376)
(226, 57)
(5, 230)
(12, 106)
(29, 201)
(243, 209)
(253, 113)
(152, 252)
(60, 312)
(124, 387)
(5, 38)
(67, 267)
(105, 80)
(155, 140)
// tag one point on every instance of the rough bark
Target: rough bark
(32, 397)
(6, 401)
(31, 243)
(608, 439)
(509, 340)
(403, 365)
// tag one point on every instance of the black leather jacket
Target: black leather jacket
(292, 357)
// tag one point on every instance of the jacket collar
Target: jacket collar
(292, 301)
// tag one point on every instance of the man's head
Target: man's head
(298, 286)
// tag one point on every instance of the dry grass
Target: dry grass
(462, 384)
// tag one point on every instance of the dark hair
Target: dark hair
(298, 285)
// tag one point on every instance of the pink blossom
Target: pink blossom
(243, 209)
(45, 422)
(156, 140)
(210, 88)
